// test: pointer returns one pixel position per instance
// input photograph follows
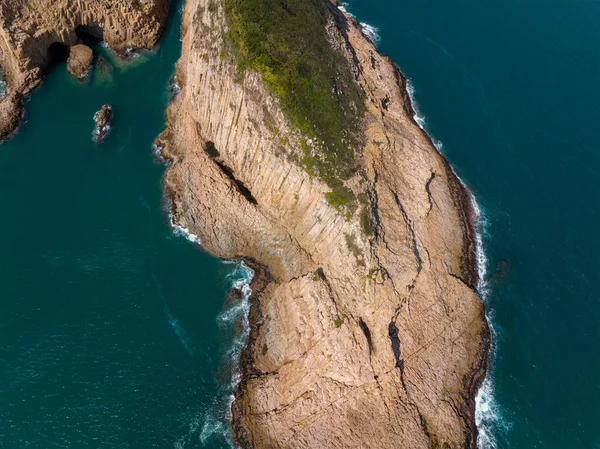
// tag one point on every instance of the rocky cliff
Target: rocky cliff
(31, 30)
(358, 339)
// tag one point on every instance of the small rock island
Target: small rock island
(103, 119)
(80, 60)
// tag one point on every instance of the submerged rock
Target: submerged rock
(80, 61)
(103, 118)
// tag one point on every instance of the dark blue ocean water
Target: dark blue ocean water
(512, 90)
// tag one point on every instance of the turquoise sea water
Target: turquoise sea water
(512, 90)
(114, 331)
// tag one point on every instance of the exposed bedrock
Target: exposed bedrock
(80, 60)
(357, 340)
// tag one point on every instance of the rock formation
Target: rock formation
(80, 60)
(356, 340)
(102, 118)
(31, 29)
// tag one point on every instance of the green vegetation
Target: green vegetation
(286, 42)
(338, 322)
(340, 197)
(365, 222)
(355, 249)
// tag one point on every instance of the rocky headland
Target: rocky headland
(366, 326)
(33, 32)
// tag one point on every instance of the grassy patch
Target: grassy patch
(366, 223)
(355, 249)
(338, 322)
(286, 42)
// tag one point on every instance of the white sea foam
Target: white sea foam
(174, 88)
(216, 421)
(344, 8)
(183, 231)
(210, 427)
(419, 118)
(240, 279)
(371, 32)
(487, 413)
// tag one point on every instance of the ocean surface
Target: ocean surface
(115, 330)
(511, 90)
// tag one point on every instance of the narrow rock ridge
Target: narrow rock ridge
(356, 340)
(32, 30)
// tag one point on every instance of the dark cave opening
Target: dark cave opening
(59, 53)
(90, 35)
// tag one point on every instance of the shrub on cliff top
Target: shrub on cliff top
(286, 42)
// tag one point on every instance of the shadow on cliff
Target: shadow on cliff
(59, 53)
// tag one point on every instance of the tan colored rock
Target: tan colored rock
(80, 60)
(356, 341)
(29, 27)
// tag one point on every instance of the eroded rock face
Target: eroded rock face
(28, 28)
(103, 119)
(80, 60)
(357, 340)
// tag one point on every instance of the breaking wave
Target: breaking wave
(182, 231)
(214, 424)
(368, 30)
(371, 32)
(240, 279)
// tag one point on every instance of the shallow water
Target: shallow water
(512, 89)
(110, 328)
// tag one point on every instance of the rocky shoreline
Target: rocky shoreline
(469, 265)
(25, 55)
(355, 340)
(360, 336)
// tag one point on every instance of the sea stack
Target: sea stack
(80, 61)
(103, 119)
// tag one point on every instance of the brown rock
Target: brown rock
(102, 118)
(80, 60)
(356, 341)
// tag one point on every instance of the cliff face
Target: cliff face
(356, 340)
(28, 29)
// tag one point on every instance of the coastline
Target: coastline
(185, 214)
(126, 29)
(475, 262)
(474, 257)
